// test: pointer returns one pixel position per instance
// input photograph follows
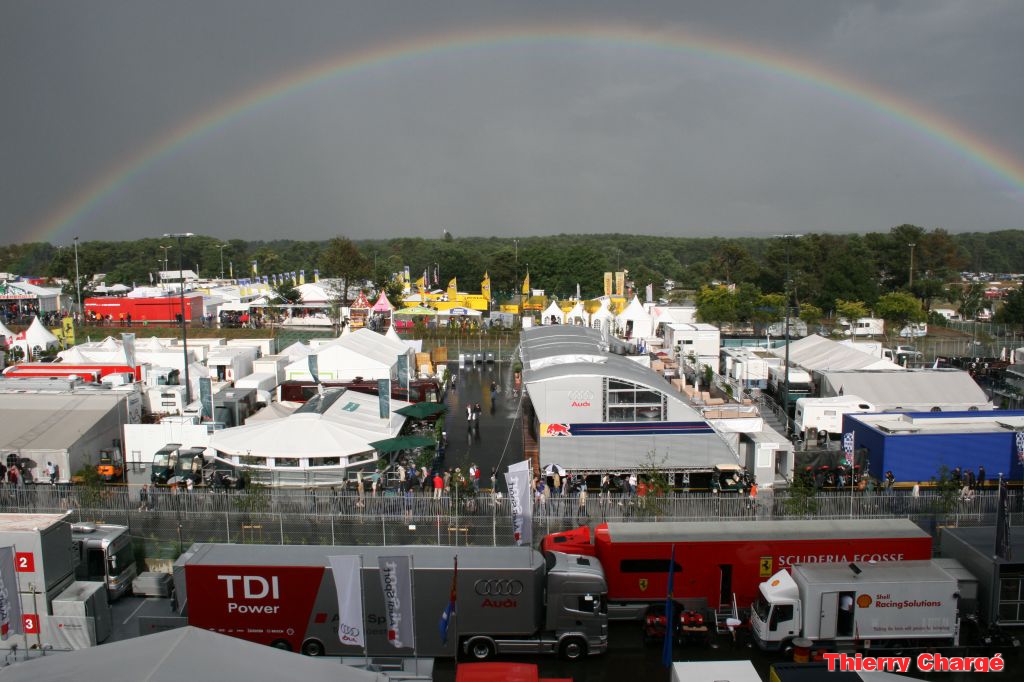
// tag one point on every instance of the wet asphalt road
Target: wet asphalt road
(496, 439)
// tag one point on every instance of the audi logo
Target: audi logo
(498, 588)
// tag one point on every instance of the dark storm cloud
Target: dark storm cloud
(579, 136)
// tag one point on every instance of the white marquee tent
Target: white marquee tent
(634, 322)
(552, 314)
(578, 315)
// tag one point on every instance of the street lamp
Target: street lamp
(911, 245)
(515, 284)
(166, 249)
(78, 281)
(222, 247)
(180, 236)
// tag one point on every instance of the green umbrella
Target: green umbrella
(422, 410)
(416, 310)
(402, 443)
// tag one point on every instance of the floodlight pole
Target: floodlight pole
(78, 280)
(180, 236)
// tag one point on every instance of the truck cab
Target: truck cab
(775, 615)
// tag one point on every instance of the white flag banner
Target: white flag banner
(10, 600)
(348, 582)
(521, 499)
(396, 583)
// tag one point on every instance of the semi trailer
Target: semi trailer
(510, 600)
(716, 561)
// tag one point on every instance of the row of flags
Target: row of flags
(396, 586)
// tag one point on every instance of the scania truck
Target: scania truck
(509, 600)
(889, 603)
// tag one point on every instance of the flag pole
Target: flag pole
(412, 591)
(362, 602)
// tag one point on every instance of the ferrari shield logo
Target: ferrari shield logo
(643, 584)
(766, 567)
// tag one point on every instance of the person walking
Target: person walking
(582, 499)
(632, 484)
(438, 485)
(981, 476)
(556, 484)
(360, 490)
(144, 498)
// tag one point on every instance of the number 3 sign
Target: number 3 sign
(30, 622)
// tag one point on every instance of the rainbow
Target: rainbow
(915, 117)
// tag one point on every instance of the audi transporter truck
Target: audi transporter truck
(509, 600)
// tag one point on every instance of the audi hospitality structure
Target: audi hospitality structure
(592, 410)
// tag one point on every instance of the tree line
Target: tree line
(815, 269)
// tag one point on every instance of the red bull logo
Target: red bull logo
(557, 430)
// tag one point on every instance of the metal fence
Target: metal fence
(170, 522)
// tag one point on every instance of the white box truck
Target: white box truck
(826, 414)
(889, 603)
(510, 600)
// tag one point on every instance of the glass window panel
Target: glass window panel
(620, 414)
(648, 398)
(648, 414)
(615, 384)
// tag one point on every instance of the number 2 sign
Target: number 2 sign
(24, 562)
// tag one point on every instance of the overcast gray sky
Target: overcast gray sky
(605, 129)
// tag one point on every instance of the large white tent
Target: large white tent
(815, 353)
(36, 338)
(359, 353)
(337, 426)
(185, 653)
(296, 350)
(6, 335)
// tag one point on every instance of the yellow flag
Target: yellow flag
(607, 284)
(526, 285)
(420, 285)
(68, 327)
(485, 287)
(620, 283)
(453, 289)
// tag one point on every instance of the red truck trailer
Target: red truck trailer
(92, 373)
(716, 560)
(157, 309)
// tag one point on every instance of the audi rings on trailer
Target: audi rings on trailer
(498, 588)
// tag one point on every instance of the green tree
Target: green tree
(343, 260)
(716, 305)
(899, 309)
(287, 292)
(969, 298)
(770, 309)
(1012, 310)
(811, 315)
(851, 311)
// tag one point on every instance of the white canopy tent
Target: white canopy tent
(602, 319)
(578, 315)
(35, 339)
(296, 350)
(278, 410)
(6, 335)
(634, 322)
(552, 314)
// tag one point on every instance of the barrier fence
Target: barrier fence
(169, 522)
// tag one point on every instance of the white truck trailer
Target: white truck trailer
(884, 604)
(826, 414)
(510, 600)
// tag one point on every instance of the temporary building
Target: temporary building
(634, 322)
(313, 293)
(815, 353)
(35, 339)
(64, 428)
(185, 653)
(552, 314)
(360, 353)
(330, 432)
(914, 390)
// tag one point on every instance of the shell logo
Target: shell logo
(775, 583)
(864, 601)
